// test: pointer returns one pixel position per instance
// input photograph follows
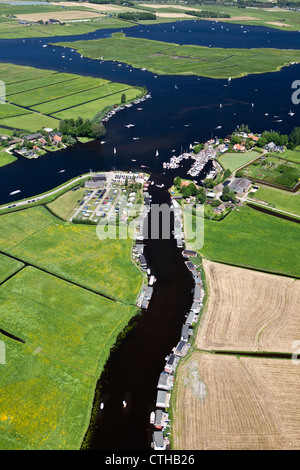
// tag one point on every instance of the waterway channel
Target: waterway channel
(172, 119)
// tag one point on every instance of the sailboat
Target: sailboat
(291, 114)
(221, 105)
(156, 154)
(115, 150)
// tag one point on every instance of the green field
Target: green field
(280, 199)
(8, 266)
(5, 158)
(48, 382)
(37, 98)
(73, 252)
(166, 58)
(64, 205)
(275, 170)
(253, 239)
(235, 160)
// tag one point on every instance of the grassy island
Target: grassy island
(166, 58)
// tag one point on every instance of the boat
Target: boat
(135, 138)
(219, 127)
(61, 171)
(291, 114)
(124, 404)
(45, 45)
(101, 406)
(156, 154)
(129, 125)
(133, 160)
(115, 150)
(152, 417)
(252, 104)
(229, 79)
(176, 87)
(266, 114)
(15, 192)
(140, 109)
(221, 105)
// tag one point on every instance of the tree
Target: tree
(201, 196)
(177, 182)
(209, 183)
(123, 98)
(98, 130)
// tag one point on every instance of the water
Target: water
(171, 120)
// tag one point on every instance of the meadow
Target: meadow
(72, 252)
(37, 98)
(5, 158)
(279, 198)
(164, 58)
(235, 160)
(48, 382)
(252, 239)
(8, 267)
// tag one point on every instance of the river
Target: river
(170, 121)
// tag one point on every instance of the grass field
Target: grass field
(48, 382)
(8, 266)
(280, 199)
(37, 98)
(73, 252)
(223, 402)
(5, 158)
(64, 205)
(165, 58)
(252, 239)
(248, 311)
(236, 160)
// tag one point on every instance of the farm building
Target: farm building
(240, 185)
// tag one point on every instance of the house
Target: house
(221, 208)
(198, 293)
(165, 381)
(240, 185)
(187, 253)
(163, 399)
(161, 419)
(195, 308)
(171, 363)
(270, 146)
(239, 148)
(143, 261)
(253, 137)
(148, 292)
(182, 348)
(56, 139)
(158, 441)
(190, 318)
(185, 332)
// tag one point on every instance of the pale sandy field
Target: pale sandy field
(223, 402)
(59, 15)
(249, 311)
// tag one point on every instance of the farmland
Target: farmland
(267, 304)
(279, 198)
(240, 398)
(236, 160)
(43, 97)
(165, 58)
(225, 402)
(68, 332)
(252, 239)
(72, 252)
(275, 170)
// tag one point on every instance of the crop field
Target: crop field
(273, 169)
(39, 98)
(225, 402)
(73, 252)
(166, 58)
(235, 160)
(249, 311)
(48, 382)
(251, 239)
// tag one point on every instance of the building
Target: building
(171, 363)
(163, 399)
(240, 185)
(181, 348)
(158, 441)
(97, 181)
(185, 332)
(165, 381)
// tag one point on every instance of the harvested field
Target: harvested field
(277, 23)
(59, 15)
(228, 403)
(249, 311)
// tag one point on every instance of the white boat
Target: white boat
(176, 87)
(129, 125)
(219, 127)
(45, 45)
(266, 114)
(115, 150)
(133, 160)
(140, 109)
(252, 104)
(124, 404)
(152, 417)
(101, 406)
(15, 192)
(61, 171)
(291, 114)
(156, 154)
(135, 138)
(229, 79)
(221, 105)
